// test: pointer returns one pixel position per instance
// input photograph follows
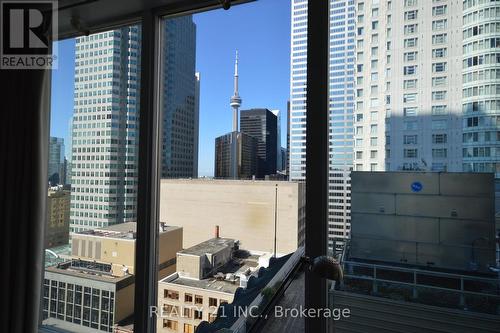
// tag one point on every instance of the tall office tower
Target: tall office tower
(106, 120)
(277, 113)
(282, 164)
(196, 123)
(56, 161)
(341, 88)
(262, 125)
(180, 126)
(69, 151)
(105, 129)
(408, 86)
(287, 165)
(235, 156)
(481, 87)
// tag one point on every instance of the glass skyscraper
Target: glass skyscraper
(180, 116)
(105, 130)
(341, 107)
(56, 171)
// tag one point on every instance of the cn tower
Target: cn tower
(235, 99)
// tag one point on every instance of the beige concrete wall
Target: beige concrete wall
(169, 244)
(114, 251)
(163, 273)
(189, 266)
(244, 210)
(124, 302)
(120, 252)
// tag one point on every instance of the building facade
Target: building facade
(196, 123)
(105, 125)
(105, 129)
(208, 275)
(235, 156)
(481, 86)
(93, 290)
(57, 171)
(262, 124)
(341, 107)
(244, 210)
(408, 86)
(277, 113)
(57, 230)
(180, 108)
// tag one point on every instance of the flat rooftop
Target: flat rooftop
(92, 271)
(210, 246)
(212, 181)
(242, 263)
(121, 230)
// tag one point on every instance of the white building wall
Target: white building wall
(341, 107)
(408, 105)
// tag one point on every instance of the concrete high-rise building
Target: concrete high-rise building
(56, 169)
(180, 108)
(277, 113)
(105, 129)
(235, 156)
(69, 151)
(106, 120)
(93, 290)
(243, 209)
(57, 230)
(341, 107)
(262, 124)
(408, 86)
(196, 123)
(287, 167)
(481, 90)
(481, 86)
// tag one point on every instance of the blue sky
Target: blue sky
(260, 31)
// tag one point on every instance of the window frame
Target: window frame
(149, 166)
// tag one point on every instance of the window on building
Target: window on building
(410, 139)
(410, 111)
(411, 15)
(439, 10)
(172, 294)
(171, 324)
(439, 124)
(198, 314)
(410, 70)
(439, 138)
(439, 153)
(410, 153)
(409, 98)
(438, 110)
(188, 328)
(410, 42)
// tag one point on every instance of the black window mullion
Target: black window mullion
(146, 251)
(317, 155)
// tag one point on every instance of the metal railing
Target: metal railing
(418, 280)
